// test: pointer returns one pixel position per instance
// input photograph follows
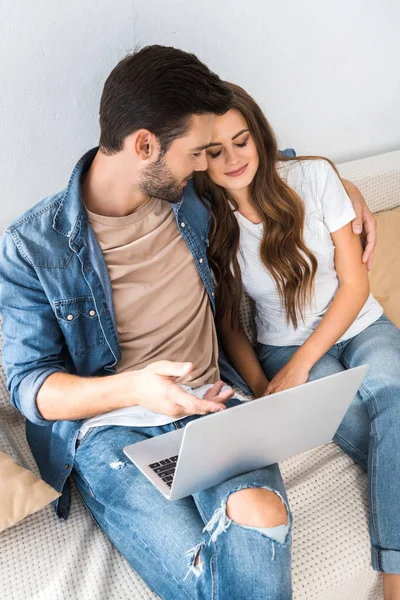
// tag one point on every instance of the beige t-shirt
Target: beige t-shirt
(160, 302)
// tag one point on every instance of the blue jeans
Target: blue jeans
(370, 430)
(188, 548)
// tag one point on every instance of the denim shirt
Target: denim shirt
(56, 302)
(58, 315)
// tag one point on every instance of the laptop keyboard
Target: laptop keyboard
(165, 469)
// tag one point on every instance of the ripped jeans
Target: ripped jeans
(189, 548)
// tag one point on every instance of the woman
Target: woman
(281, 230)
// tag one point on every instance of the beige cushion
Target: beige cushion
(21, 492)
(385, 272)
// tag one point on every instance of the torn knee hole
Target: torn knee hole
(248, 513)
(257, 507)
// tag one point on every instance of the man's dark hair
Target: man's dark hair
(158, 88)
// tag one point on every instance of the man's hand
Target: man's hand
(70, 397)
(364, 224)
(215, 394)
(154, 388)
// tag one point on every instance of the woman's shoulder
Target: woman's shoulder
(308, 177)
(304, 169)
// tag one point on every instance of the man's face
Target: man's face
(167, 176)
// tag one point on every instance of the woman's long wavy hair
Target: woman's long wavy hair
(283, 251)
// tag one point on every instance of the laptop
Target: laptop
(255, 434)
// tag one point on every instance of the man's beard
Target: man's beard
(158, 182)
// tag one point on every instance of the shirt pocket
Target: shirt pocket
(80, 324)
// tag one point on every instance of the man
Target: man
(108, 304)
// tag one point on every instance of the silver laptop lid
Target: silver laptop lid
(255, 434)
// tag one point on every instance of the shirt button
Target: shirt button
(201, 260)
(92, 313)
(70, 317)
(212, 294)
(183, 224)
(67, 466)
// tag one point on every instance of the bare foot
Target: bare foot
(391, 586)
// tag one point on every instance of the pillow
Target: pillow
(21, 492)
(384, 277)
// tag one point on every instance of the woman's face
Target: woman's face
(232, 157)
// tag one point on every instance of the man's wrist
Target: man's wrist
(122, 387)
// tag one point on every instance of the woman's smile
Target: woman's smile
(237, 172)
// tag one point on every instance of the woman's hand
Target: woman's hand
(289, 376)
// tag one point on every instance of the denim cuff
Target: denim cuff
(28, 391)
(386, 561)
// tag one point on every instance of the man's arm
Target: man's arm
(364, 223)
(37, 375)
(69, 397)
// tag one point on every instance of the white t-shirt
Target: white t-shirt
(327, 209)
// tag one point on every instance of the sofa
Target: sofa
(42, 558)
